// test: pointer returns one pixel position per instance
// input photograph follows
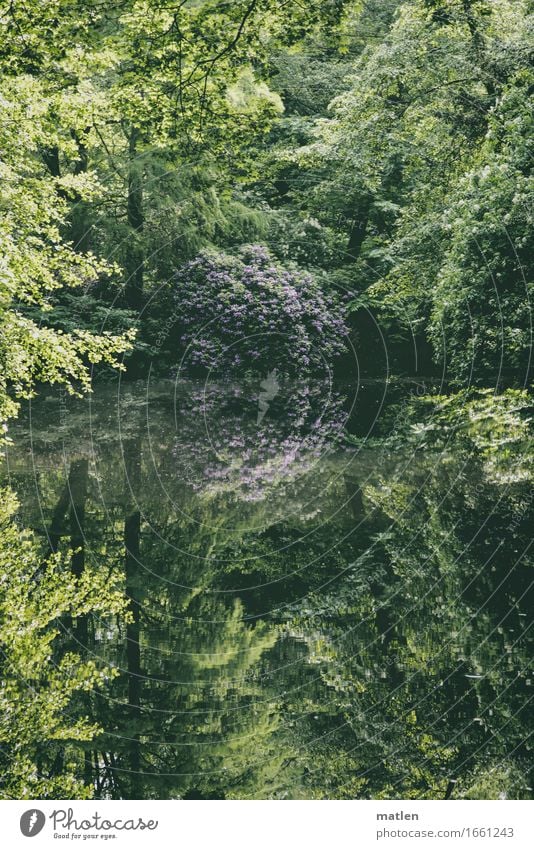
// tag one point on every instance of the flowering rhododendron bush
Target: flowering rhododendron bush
(246, 311)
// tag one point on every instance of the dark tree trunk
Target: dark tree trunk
(354, 498)
(78, 481)
(72, 501)
(51, 160)
(80, 228)
(57, 525)
(479, 48)
(358, 231)
(77, 229)
(136, 259)
(73, 495)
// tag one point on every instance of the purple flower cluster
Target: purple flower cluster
(246, 311)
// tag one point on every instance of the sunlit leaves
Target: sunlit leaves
(38, 719)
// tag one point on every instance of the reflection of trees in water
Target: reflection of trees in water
(433, 699)
(394, 660)
(197, 710)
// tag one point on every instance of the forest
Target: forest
(266, 399)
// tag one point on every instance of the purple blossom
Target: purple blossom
(245, 310)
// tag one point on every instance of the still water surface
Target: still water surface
(311, 616)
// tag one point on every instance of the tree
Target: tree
(155, 85)
(37, 261)
(401, 163)
(482, 316)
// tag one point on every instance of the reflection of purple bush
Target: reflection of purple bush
(233, 454)
(246, 311)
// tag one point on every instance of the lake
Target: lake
(333, 605)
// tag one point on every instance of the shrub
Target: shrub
(248, 312)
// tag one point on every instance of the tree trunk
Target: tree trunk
(479, 48)
(358, 231)
(51, 160)
(136, 259)
(80, 229)
(57, 525)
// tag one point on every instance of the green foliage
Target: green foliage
(36, 261)
(40, 721)
(418, 183)
(481, 304)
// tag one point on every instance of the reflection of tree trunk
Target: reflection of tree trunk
(73, 494)
(132, 533)
(450, 788)
(385, 618)
(111, 777)
(72, 500)
(78, 480)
